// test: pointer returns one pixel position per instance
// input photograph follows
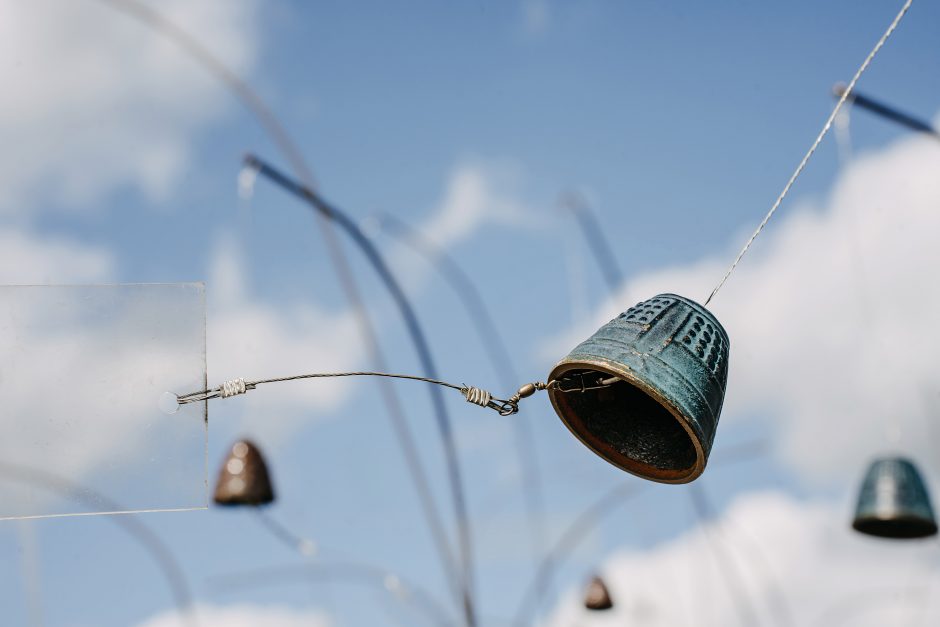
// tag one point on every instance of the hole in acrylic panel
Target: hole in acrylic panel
(86, 426)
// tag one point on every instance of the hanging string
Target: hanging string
(812, 149)
(474, 395)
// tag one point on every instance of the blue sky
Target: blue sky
(680, 124)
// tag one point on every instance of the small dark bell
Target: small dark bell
(243, 478)
(668, 360)
(597, 596)
(893, 502)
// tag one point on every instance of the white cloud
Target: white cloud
(832, 315)
(476, 194)
(244, 615)
(251, 339)
(84, 369)
(30, 259)
(805, 553)
(82, 374)
(94, 100)
(247, 337)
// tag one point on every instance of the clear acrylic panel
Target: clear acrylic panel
(82, 373)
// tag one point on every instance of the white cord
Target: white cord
(232, 388)
(812, 149)
(477, 396)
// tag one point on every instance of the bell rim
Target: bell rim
(701, 460)
(869, 525)
(232, 502)
(600, 607)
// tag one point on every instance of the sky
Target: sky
(679, 125)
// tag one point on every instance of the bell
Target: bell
(893, 502)
(243, 478)
(597, 596)
(645, 391)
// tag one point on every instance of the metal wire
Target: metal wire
(601, 249)
(150, 541)
(782, 612)
(305, 547)
(422, 348)
(814, 146)
(887, 112)
(597, 243)
(276, 131)
(565, 545)
(474, 395)
(580, 529)
(500, 358)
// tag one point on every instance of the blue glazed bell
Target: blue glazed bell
(645, 391)
(893, 502)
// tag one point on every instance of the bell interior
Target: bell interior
(631, 429)
(899, 527)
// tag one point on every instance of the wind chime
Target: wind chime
(645, 391)
(243, 478)
(597, 596)
(893, 501)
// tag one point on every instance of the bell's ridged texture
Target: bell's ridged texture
(243, 478)
(659, 421)
(893, 502)
(597, 596)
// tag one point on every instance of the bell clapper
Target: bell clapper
(584, 382)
